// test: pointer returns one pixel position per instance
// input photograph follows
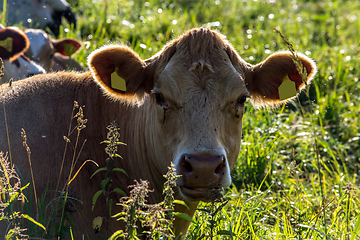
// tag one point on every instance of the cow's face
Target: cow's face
(199, 104)
(197, 88)
(43, 49)
(16, 65)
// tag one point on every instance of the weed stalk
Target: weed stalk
(302, 71)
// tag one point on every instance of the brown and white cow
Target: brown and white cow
(183, 105)
(53, 55)
(13, 44)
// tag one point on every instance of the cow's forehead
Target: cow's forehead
(38, 40)
(216, 76)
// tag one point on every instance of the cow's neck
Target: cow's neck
(140, 161)
(132, 123)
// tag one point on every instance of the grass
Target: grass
(280, 190)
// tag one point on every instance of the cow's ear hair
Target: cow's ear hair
(119, 71)
(266, 79)
(156, 64)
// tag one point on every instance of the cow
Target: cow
(183, 105)
(13, 43)
(38, 13)
(53, 55)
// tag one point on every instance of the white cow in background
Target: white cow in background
(53, 55)
(13, 43)
(38, 13)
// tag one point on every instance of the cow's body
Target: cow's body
(45, 94)
(184, 105)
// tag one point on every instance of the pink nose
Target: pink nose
(202, 170)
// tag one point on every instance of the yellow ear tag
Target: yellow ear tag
(7, 44)
(287, 89)
(117, 82)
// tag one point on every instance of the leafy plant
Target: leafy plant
(11, 194)
(106, 185)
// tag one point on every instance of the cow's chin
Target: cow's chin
(196, 194)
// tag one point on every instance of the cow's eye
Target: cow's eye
(161, 101)
(159, 98)
(241, 100)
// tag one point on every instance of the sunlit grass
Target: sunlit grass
(276, 192)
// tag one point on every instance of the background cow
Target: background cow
(38, 13)
(13, 43)
(53, 55)
(183, 105)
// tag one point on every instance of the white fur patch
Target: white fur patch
(11, 71)
(38, 39)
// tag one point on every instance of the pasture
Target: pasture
(297, 176)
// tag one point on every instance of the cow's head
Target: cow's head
(196, 88)
(49, 13)
(43, 49)
(13, 43)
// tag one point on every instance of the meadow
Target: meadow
(297, 176)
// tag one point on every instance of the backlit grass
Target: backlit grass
(285, 186)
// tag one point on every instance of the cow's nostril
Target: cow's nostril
(220, 168)
(202, 170)
(186, 164)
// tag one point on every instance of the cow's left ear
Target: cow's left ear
(276, 80)
(119, 71)
(66, 47)
(123, 74)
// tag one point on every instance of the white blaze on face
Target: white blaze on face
(41, 49)
(20, 68)
(38, 39)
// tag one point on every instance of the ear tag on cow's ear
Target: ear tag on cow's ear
(7, 44)
(287, 89)
(118, 82)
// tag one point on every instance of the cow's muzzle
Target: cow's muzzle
(202, 176)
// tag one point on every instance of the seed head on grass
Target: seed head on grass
(156, 218)
(113, 137)
(299, 66)
(133, 207)
(112, 141)
(80, 119)
(10, 192)
(170, 183)
(1, 68)
(161, 216)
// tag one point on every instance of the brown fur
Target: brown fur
(201, 79)
(65, 63)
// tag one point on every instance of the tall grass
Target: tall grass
(280, 189)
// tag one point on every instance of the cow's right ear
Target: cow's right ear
(66, 47)
(120, 71)
(13, 43)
